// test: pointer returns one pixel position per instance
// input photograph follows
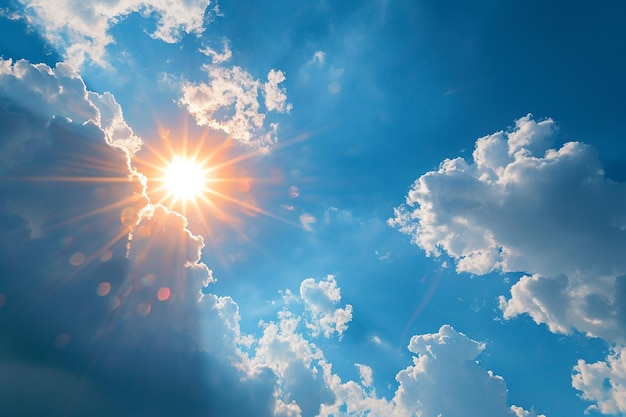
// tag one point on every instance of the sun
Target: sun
(204, 178)
(185, 179)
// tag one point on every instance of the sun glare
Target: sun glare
(185, 179)
(196, 177)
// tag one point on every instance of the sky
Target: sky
(379, 208)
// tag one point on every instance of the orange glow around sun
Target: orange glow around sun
(197, 177)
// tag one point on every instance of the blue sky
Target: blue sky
(414, 208)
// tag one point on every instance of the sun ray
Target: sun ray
(125, 202)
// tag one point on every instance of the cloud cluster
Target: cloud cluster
(523, 206)
(445, 378)
(229, 102)
(603, 382)
(82, 31)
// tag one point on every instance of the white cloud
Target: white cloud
(296, 362)
(446, 365)
(603, 382)
(275, 96)
(230, 102)
(81, 30)
(217, 57)
(444, 380)
(366, 374)
(521, 206)
(321, 299)
(319, 57)
(6, 13)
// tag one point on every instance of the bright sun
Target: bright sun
(198, 179)
(185, 179)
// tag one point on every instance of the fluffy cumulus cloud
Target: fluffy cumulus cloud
(522, 205)
(230, 102)
(297, 362)
(81, 30)
(321, 300)
(61, 93)
(444, 380)
(604, 382)
(446, 362)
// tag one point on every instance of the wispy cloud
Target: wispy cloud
(307, 221)
(82, 33)
(229, 102)
(218, 57)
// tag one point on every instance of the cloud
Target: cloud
(297, 363)
(307, 221)
(320, 299)
(319, 57)
(83, 32)
(275, 96)
(230, 102)
(446, 363)
(217, 57)
(603, 382)
(445, 380)
(61, 93)
(294, 192)
(523, 206)
(366, 374)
